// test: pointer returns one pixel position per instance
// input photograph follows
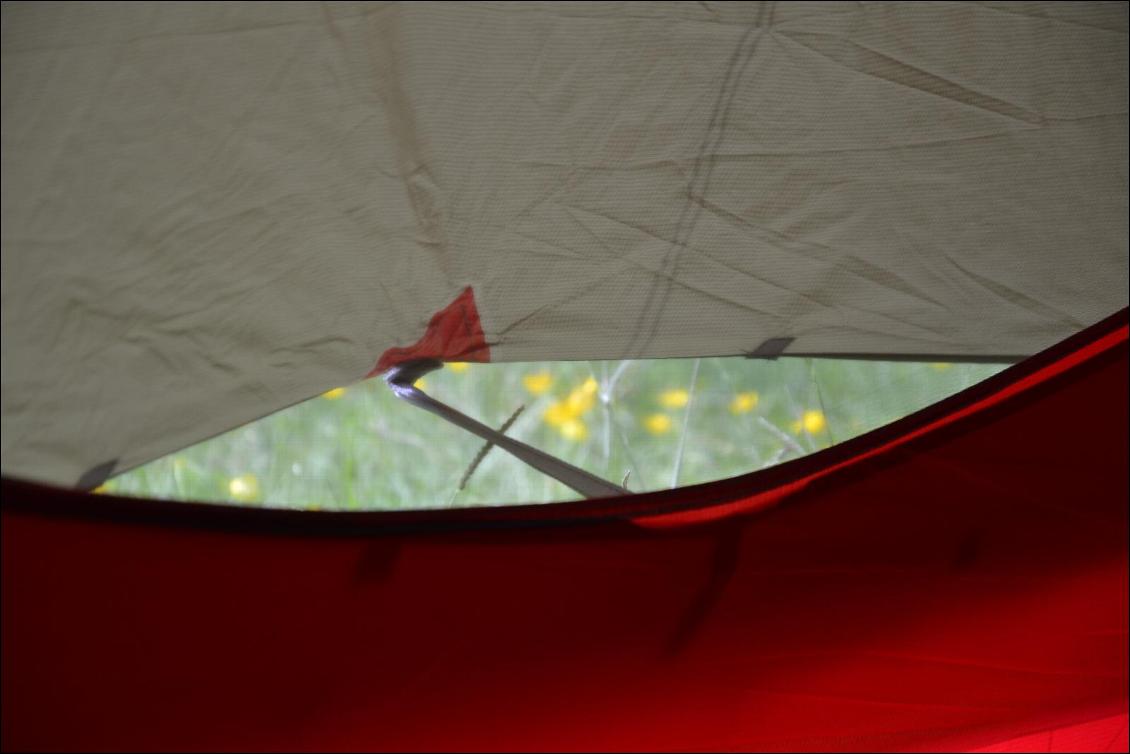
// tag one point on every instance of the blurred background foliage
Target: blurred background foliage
(660, 423)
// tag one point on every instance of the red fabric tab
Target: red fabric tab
(454, 334)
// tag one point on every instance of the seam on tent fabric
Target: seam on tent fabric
(698, 185)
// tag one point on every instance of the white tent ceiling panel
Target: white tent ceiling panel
(212, 211)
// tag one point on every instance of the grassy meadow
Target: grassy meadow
(657, 423)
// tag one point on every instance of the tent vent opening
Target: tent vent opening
(641, 425)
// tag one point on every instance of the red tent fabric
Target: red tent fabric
(956, 580)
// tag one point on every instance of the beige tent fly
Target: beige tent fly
(212, 211)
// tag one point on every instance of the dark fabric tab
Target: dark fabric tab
(96, 475)
(770, 349)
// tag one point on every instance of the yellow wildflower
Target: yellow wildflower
(581, 400)
(334, 394)
(941, 365)
(458, 366)
(538, 382)
(814, 422)
(658, 424)
(557, 414)
(420, 384)
(100, 490)
(574, 429)
(676, 398)
(745, 402)
(244, 488)
(180, 464)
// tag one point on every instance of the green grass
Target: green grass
(367, 450)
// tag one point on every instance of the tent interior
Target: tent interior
(811, 317)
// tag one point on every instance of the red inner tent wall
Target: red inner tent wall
(955, 580)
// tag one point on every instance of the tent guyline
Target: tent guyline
(401, 379)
